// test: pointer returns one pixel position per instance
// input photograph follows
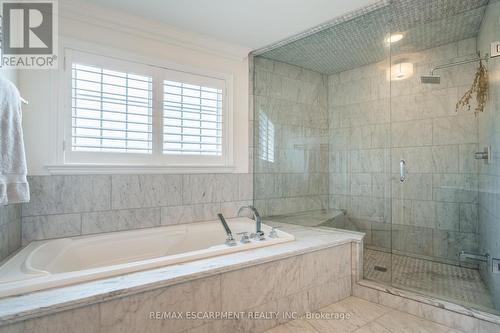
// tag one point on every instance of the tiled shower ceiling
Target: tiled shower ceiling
(358, 38)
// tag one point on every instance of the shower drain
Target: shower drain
(380, 268)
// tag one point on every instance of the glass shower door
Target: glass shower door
(434, 195)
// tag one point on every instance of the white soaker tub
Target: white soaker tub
(59, 262)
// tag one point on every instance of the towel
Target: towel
(14, 186)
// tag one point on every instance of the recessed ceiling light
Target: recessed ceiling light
(393, 38)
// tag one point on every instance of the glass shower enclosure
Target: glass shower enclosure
(356, 127)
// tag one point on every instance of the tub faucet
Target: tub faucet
(230, 239)
(259, 235)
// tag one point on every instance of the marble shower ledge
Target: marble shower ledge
(471, 312)
(41, 303)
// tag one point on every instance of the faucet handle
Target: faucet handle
(244, 237)
(274, 233)
(258, 236)
(230, 241)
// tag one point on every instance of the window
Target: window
(192, 119)
(111, 111)
(129, 113)
(266, 138)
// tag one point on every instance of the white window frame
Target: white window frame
(108, 162)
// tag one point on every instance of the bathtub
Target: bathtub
(54, 263)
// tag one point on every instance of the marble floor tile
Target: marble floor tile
(400, 322)
(366, 317)
(372, 327)
(361, 312)
(460, 284)
(295, 326)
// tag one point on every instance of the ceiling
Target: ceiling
(358, 39)
(249, 23)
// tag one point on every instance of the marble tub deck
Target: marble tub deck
(19, 308)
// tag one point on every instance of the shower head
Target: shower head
(432, 79)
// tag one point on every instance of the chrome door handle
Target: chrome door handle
(402, 171)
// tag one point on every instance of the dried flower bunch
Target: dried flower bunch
(479, 87)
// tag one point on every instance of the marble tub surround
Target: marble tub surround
(318, 264)
(434, 214)
(10, 230)
(463, 319)
(64, 206)
(290, 138)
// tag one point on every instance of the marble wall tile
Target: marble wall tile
(411, 133)
(323, 266)
(445, 159)
(249, 287)
(9, 214)
(81, 320)
(10, 229)
(123, 202)
(369, 294)
(230, 209)
(189, 213)
(467, 163)
(67, 194)
(4, 241)
(369, 160)
(339, 183)
(50, 226)
(416, 187)
(401, 211)
(487, 327)
(455, 187)
(245, 186)
(381, 235)
(329, 293)
(423, 214)
(448, 244)
(361, 184)
(447, 216)
(121, 219)
(455, 130)
(418, 159)
(14, 234)
(449, 318)
(227, 187)
(411, 239)
(298, 303)
(138, 191)
(131, 314)
(468, 218)
(202, 188)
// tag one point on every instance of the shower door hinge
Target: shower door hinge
(495, 49)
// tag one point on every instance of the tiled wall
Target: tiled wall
(62, 206)
(10, 229)
(298, 284)
(291, 109)
(374, 124)
(489, 175)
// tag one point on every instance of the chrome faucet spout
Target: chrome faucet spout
(258, 221)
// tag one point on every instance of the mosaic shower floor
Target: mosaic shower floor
(459, 284)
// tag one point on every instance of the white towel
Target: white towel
(13, 183)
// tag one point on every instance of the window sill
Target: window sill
(100, 169)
